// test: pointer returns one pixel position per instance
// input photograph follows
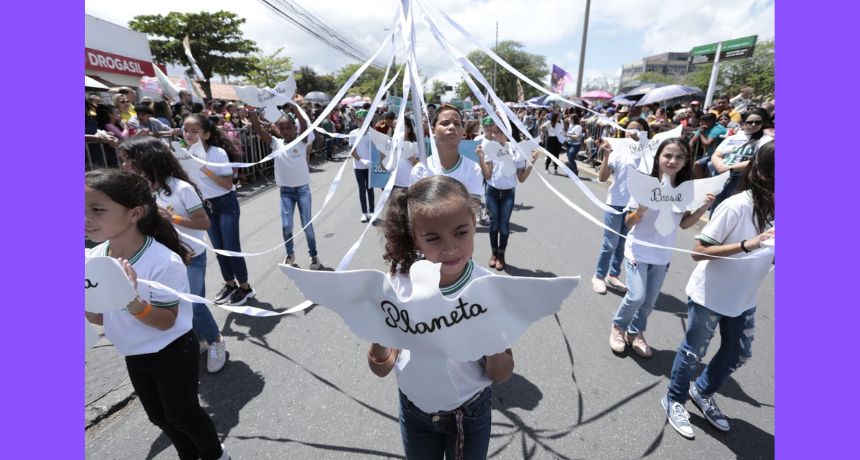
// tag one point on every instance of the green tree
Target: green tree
(269, 70)
(307, 80)
(217, 43)
(756, 71)
(437, 88)
(369, 81)
(531, 65)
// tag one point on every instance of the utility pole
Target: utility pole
(582, 51)
(495, 50)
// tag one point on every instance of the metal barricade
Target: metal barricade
(99, 155)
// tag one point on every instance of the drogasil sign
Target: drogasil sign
(114, 63)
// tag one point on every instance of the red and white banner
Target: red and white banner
(114, 63)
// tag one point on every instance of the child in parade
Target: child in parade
(154, 331)
(723, 292)
(292, 175)
(435, 217)
(500, 192)
(615, 164)
(647, 266)
(179, 202)
(215, 184)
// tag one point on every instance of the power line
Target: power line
(307, 22)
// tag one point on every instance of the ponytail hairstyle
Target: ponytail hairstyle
(759, 179)
(152, 158)
(686, 172)
(131, 190)
(215, 137)
(423, 197)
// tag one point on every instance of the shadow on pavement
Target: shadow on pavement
(513, 270)
(257, 327)
(514, 228)
(327, 447)
(670, 304)
(522, 207)
(225, 394)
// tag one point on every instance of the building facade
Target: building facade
(669, 64)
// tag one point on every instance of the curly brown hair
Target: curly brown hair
(422, 198)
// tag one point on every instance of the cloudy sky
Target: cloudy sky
(620, 31)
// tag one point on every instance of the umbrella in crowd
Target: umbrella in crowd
(318, 96)
(665, 93)
(596, 94)
(641, 90)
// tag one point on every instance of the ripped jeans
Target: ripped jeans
(736, 336)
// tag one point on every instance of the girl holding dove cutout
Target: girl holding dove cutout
(435, 217)
(153, 331)
(179, 201)
(222, 207)
(647, 266)
(501, 189)
(615, 165)
(720, 292)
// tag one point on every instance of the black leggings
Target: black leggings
(166, 384)
(553, 146)
(365, 191)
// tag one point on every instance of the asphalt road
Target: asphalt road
(298, 386)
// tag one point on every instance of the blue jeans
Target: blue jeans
(365, 191)
(572, 151)
(290, 197)
(736, 336)
(202, 321)
(500, 205)
(223, 212)
(432, 436)
(612, 250)
(643, 286)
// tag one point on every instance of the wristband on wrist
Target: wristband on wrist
(743, 246)
(143, 313)
(208, 172)
(176, 218)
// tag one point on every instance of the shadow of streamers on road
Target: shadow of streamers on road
(513, 270)
(519, 393)
(253, 326)
(328, 447)
(225, 394)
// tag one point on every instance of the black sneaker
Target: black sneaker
(224, 294)
(240, 296)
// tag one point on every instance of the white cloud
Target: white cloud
(543, 26)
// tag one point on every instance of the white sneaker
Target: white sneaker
(678, 417)
(598, 285)
(365, 218)
(224, 454)
(217, 356)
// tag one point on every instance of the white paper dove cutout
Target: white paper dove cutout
(644, 148)
(486, 317)
(268, 98)
(385, 144)
(91, 337)
(186, 157)
(497, 153)
(107, 286)
(662, 198)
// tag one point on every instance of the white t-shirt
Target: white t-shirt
(208, 188)
(575, 133)
(362, 150)
(183, 201)
(465, 170)
(291, 166)
(620, 163)
(724, 286)
(152, 262)
(556, 130)
(500, 181)
(469, 376)
(404, 166)
(646, 231)
(733, 149)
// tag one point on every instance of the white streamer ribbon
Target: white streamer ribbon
(243, 310)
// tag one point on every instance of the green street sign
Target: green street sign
(737, 48)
